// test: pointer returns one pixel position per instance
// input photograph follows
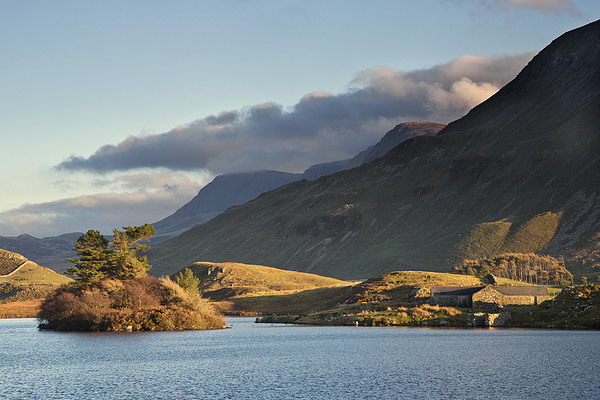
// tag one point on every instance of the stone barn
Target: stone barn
(491, 296)
(488, 296)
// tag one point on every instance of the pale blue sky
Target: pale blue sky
(78, 75)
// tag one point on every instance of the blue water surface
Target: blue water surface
(263, 361)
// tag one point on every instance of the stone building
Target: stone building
(488, 296)
(453, 296)
(491, 296)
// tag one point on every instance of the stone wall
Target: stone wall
(482, 320)
(451, 300)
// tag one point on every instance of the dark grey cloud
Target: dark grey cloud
(320, 127)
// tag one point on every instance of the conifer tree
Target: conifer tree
(94, 258)
(188, 281)
(99, 259)
(126, 264)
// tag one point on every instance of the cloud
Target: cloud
(545, 6)
(551, 6)
(320, 127)
(133, 199)
(101, 211)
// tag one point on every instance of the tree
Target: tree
(125, 263)
(99, 259)
(188, 281)
(94, 258)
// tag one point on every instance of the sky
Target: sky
(117, 113)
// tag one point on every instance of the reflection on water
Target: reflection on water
(262, 361)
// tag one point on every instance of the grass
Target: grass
(20, 309)
(22, 292)
(402, 315)
(10, 261)
(279, 303)
(32, 273)
(224, 280)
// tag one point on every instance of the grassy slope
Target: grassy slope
(10, 261)
(21, 292)
(20, 309)
(256, 278)
(33, 274)
(255, 289)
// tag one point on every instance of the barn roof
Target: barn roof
(455, 290)
(522, 290)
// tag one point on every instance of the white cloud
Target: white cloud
(137, 198)
(101, 211)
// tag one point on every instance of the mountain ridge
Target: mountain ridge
(511, 175)
(230, 190)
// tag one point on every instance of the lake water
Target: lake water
(258, 361)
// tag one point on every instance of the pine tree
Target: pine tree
(125, 263)
(94, 258)
(188, 281)
(99, 259)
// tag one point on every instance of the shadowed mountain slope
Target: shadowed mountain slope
(234, 189)
(223, 192)
(519, 173)
(393, 138)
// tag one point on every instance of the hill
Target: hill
(10, 261)
(23, 284)
(254, 289)
(49, 251)
(287, 296)
(221, 280)
(520, 173)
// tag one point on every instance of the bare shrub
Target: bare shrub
(419, 311)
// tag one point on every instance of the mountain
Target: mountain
(51, 251)
(230, 190)
(519, 173)
(399, 134)
(221, 193)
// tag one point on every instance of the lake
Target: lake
(263, 361)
